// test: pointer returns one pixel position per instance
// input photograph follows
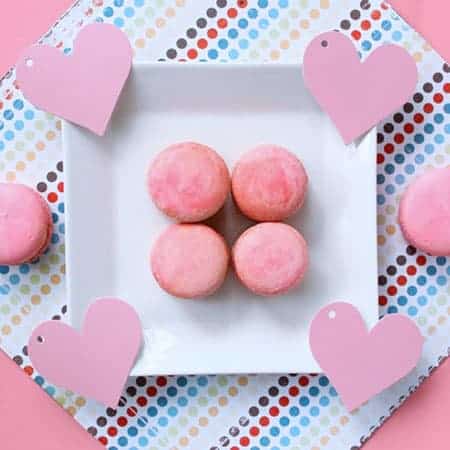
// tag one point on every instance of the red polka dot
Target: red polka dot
(235, 448)
(447, 88)
(28, 370)
(254, 431)
(411, 270)
(232, 13)
(408, 128)
(202, 43)
(392, 290)
(244, 441)
(399, 138)
(61, 186)
(161, 381)
(438, 98)
(418, 118)
(382, 300)
(112, 431)
(274, 411)
(122, 421)
(380, 158)
(52, 197)
(401, 280)
(264, 421)
(192, 53)
(384, 6)
(242, 3)
(294, 391)
(283, 401)
(222, 23)
(103, 440)
(132, 411)
(356, 35)
(365, 25)
(421, 260)
(428, 108)
(389, 148)
(151, 391)
(303, 381)
(141, 401)
(375, 14)
(212, 33)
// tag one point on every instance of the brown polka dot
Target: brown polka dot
(51, 176)
(345, 24)
(41, 187)
(355, 14)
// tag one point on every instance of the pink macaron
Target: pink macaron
(269, 183)
(270, 258)
(25, 224)
(424, 213)
(190, 260)
(188, 181)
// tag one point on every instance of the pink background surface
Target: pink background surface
(423, 421)
(23, 22)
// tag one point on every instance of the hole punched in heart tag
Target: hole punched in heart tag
(332, 314)
(40, 339)
(29, 62)
(324, 43)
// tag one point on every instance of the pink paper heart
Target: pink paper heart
(96, 361)
(357, 95)
(430, 18)
(84, 87)
(362, 363)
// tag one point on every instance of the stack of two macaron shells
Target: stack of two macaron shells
(190, 182)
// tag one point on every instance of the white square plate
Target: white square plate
(111, 222)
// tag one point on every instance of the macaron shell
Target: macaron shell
(269, 183)
(424, 212)
(25, 224)
(270, 258)
(190, 260)
(189, 181)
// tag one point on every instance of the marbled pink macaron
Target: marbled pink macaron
(188, 181)
(270, 258)
(424, 213)
(25, 224)
(190, 260)
(269, 183)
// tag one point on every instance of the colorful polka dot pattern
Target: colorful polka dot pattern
(243, 412)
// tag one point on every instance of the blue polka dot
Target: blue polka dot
(432, 290)
(202, 381)
(389, 169)
(61, 228)
(412, 310)
(448, 270)
(212, 54)
(429, 128)
(142, 421)
(139, 3)
(392, 310)
(8, 114)
(2, 146)
(24, 268)
(285, 441)
(390, 189)
(233, 54)
(447, 108)
(438, 118)
(294, 411)
(122, 441)
(284, 421)
(29, 114)
(222, 43)
(181, 381)
(162, 401)
(273, 13)
(314, 411)
(9, 135)
(441, 280)
(4, 269)
(263, 3)
(419, 138)
(402, 300)
(182, 401)
(243, 23)
(376, 35)
(283, 3)
(397, 35)
(19, 125)
(50, 390)
(313, 391)
(419, 159)
(409, 169)
(422, 300)
(172, 391)
(294, 431)
(304, 421)
(274, 431)
(304, 401)
(192, 391)
(386, 25)
(108, 11)
(2, 125)
(18, 104)
(132, 431)
(39, 380)
(323, 381)
(4, 289)
(381, 199)
(265, 441)
(366, 45)
(152, 411)
(431, 270)
(14, 279)
(409, 148)
(399, 158)
(380, 178)
(399, 179)
(54, 239)
(143, 441)
(243, 43)
(172, 411)
(447, 128)
(333, 392)
(421, 280)
(118, 3)
(429, 149)
(412, 290)
(253, 33)
(441, 260)
(263, 23)
(119, 22)
(163, 421)
(252, 13)
(61, 207)
(233, 33)
(439, 138)
(324, 401)
(129, 12)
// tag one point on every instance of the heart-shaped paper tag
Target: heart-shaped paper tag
(430, 18)
(96, 361)
(357, 95)
(84, 87)
(362, 363)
